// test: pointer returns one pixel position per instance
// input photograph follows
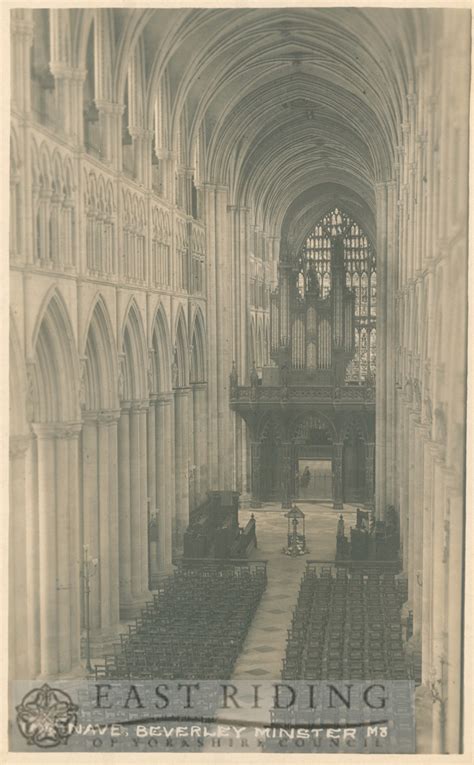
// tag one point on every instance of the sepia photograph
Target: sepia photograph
(238, 331)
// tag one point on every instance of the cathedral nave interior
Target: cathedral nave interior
(238, 282)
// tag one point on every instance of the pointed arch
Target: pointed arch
(85, 18)
(181, 349)
(198, 371)
(56, 365)
(304, 424)
(353, 426)
(180, 131)
(35, 164)
(136, 87)
(46, 166)
(134, 355)
(271, 429)
(161, 345)
(57, 173)
(99, 376)
(69, 178)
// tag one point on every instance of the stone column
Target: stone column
(144, 519)
(285, 270)
(454, 548)
(152, 483)
(57, 521)
(125, 549)
(100, 518)
(403, 480)
(47, 543)
(110, 117)
(78, 77)
(381, 373)
(200, 439)
(255, 450)
(64, 84)
(22, 29)
(74, 547)
(418, 531)
(20, 636)
(391, 332)
(135, 502)
(244, 249)
(427, 575)
(337, 476)
(286, 472)
(411, 506)
(165, 465)
(369, 474)
(211, 324)
(108, 524)
(440, 626)
(192, 468)
(224, 309)
(90, 500)
(181, 408)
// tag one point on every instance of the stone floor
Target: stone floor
(265, 645)
(264, 648)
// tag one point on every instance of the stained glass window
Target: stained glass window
(359, 261)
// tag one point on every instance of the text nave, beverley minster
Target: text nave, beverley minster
(238, 248)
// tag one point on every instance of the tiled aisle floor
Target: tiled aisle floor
(265, 645)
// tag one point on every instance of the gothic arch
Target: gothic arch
(85, 18)
(57, 173)
(353, 426)
(46, 166)
(161, 344)
(35, 164)
(99, 373)
(132, 377)
(301, 427)
(56, 366)
(198, 370)
(98, 22)
(181, 350)
(136, 87)
(69, 178)
(270, 428)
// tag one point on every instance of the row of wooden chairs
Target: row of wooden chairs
(345, 627)
(193, 628)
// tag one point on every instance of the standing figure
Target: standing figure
(340, 526)
(253, 377)
(305, 478)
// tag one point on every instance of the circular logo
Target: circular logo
(46, 717)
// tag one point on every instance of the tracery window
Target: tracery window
(360, 269)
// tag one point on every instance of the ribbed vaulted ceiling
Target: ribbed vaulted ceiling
(301, 107)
